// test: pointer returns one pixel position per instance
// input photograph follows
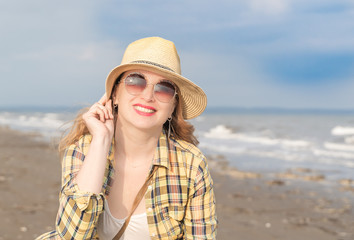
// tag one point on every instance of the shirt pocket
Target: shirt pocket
(173, 220)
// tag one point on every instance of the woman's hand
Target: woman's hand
(99, 118)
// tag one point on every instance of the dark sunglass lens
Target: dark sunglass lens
(164, 91)
(135, 84)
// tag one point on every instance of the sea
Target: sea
(261, 140)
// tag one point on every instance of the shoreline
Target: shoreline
(295, 204)
(250, 205)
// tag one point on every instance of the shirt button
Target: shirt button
(150, 187)
(149, 209)
(153, 235)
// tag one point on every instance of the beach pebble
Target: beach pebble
(234, 173)
(2, 178)
(315, 178)
(23, 229)
(344, 182)
(276, 182)
(238, 195)
(51, 196)
(347, 188)
(300, 221)
(268, 225)
(303, 170)
(49, 228)
(288, 175)
(312, 194)
(342, 234)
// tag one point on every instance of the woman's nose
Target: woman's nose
(148, 93)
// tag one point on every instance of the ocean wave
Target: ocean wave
(317, 156)
(339, 146)
(263, 153)
(342, 131)
(223, 148)
(349, 140)
(333, 154)
(48, 124)
(222, 132)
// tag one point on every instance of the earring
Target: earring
(169, 126)
(115, 108)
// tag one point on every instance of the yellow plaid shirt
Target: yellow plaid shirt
(180, 204)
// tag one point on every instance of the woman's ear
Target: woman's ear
(173, 108)
(175, 104)
(114, 94)
(113, 98)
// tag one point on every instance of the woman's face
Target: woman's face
(142, 110)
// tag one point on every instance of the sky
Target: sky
(254, 53)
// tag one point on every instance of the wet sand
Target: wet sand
(294, 205)
(297, 204)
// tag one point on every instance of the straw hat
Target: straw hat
(160, 56)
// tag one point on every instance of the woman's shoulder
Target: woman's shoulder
(192, 159)
(85, 139)
(188, 147)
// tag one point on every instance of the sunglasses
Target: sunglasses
(164, 91)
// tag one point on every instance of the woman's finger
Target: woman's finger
(99, 111)
(103, 100)
(104, 109)
(109, 108)
(101, 115)
(101, 107)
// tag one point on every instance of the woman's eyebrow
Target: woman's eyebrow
(137, 73)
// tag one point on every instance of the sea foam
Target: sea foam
(222, 132)
(48, 124)
(339, 146)
(341, 131)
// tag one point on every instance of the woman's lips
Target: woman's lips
(144, 110)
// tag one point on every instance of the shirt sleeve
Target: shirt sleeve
(200, 219)
(78, 211)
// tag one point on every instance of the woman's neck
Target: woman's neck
(135, 145)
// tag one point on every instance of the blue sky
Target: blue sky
(255, 53)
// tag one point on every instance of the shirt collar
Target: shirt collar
(162, 151)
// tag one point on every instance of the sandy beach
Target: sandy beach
(292, 205)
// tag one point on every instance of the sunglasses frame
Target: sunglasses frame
(154, 85)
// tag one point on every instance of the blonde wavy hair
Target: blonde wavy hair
(180, 129)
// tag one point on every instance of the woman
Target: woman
(131, 158)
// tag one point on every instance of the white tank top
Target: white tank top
(108, 226)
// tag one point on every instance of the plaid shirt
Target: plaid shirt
(180, 203)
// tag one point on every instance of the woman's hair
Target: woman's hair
(72, 134)
(180, 129)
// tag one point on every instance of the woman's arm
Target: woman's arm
(90, 176)
(200, 220)
(78, 210)
(99, 121)
(83, 168)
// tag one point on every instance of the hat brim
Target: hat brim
(193, 98)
